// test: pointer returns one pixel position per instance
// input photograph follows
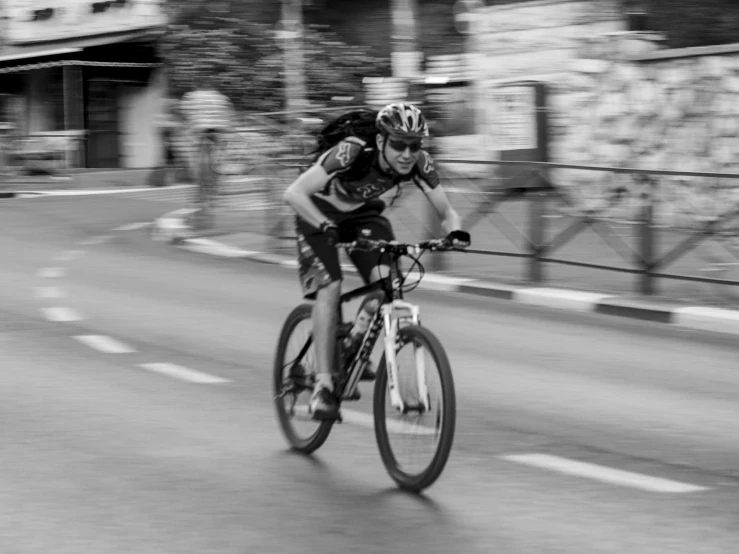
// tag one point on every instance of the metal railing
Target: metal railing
(637, 203)
(547, 208)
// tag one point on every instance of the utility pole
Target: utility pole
(294, 62)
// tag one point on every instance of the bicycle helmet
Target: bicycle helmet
(402, 121)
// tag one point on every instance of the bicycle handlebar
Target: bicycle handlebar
(399, 248)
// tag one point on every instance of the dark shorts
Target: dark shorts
(318, 263)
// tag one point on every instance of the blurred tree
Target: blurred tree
(230, 45)
(694, 22)
(437, 33)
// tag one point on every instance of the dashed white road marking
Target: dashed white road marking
(105, 344)
(61, 314)
(50, 292)
(603, 473)
(181, 211)
(183, 373)
(133, 226)
(212, 247)
(87, 192)
(52, 272)
(294, 263)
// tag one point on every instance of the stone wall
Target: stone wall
(617, 98)
(670, 110)
(678, 113)
(538, 37)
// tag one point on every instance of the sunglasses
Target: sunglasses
(400, 145)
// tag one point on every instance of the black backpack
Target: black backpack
(356, 123)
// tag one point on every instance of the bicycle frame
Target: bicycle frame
(388, 319)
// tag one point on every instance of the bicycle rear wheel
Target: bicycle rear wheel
(415, 446)
(293, 372)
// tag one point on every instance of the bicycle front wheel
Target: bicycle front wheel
(415, 445)
(293, 375)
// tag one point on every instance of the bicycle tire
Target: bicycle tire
(316, 440)
(424, 479)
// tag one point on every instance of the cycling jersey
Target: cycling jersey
(348, 189)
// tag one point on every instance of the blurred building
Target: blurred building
(86, 73)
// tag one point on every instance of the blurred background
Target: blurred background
(645, 90)
(93, 83)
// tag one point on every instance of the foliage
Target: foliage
(222, 46)
(437, 31)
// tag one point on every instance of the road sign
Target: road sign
(514, 117)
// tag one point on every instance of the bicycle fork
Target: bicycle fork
(392, 324)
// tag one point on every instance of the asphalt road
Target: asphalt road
(102, 452)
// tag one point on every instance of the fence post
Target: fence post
(537, 220)
(646, 235)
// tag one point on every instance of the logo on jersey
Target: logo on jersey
(370, 189)
(428, 163)
(343, 154)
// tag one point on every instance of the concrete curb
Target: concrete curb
(172, 229)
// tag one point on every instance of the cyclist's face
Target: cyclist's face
(401, 154)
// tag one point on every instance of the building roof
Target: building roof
(16, 53)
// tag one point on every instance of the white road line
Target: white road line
(603, 473)
(105, 344)
(294, 263)
(183, 373)
(52, 272)
(87, 192)
(50, 292)
(133, 226)
(61, 314)
(208, 246)
(181, 211)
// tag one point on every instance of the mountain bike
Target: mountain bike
(406, 403)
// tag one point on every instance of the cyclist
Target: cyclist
(337, 200)
(207, 114)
